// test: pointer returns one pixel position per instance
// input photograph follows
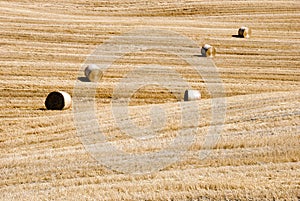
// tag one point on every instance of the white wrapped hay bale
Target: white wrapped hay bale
(93, 72)
(191, 95)
(244, 32)
(58, 100)
(208, 50)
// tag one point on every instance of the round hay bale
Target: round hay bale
(244, 32)
(208, 50)
(191, 95)
(58, 100)
(93, 72)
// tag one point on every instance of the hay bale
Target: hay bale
(208, 50)
(191, 95)
(244, 32)
(58, 100)
(93, 72)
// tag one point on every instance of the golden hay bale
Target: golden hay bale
(58, 100)
(93, 72)
(244, 32)
(208, 50)
(191, 95)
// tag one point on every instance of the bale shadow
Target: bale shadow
(199, 55)
(237, 36)
(83, 79)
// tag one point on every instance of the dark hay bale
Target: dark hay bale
(58, 100)
(208, 50)
(244, 32)
(93, 73)
(191, 95)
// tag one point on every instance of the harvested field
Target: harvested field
(44, 44)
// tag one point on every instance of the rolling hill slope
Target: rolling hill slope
(43, 46)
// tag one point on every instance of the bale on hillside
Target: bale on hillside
(58, 100)
(93, 72)
(244, 32)
(208, 50)
(191, 95)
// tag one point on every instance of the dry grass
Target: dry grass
(257, 156)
